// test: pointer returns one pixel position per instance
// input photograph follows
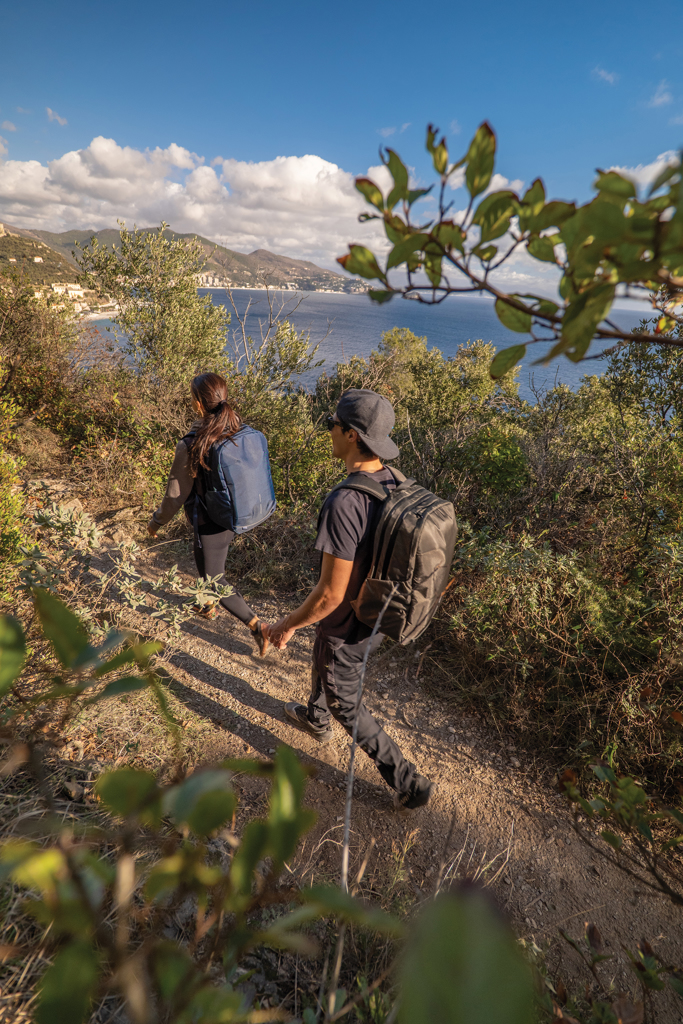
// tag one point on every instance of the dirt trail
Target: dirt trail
(504, 809)
(498, 800)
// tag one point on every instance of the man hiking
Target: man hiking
(360, 430)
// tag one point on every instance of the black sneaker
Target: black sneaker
(417, 796)
(298, 713)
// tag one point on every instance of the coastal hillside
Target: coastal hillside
(223, 266)
(39, 261)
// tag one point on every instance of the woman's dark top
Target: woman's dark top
(182, 488)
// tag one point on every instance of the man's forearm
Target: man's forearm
(320, 602)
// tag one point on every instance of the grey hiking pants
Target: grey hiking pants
(334, 689)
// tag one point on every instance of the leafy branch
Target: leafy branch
(616, 244)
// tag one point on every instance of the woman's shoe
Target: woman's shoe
(261, 639)
(207, 611)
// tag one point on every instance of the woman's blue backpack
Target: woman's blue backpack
(239, 492)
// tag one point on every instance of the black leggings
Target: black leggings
(210, 559)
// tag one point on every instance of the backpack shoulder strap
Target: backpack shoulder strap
(361, 482)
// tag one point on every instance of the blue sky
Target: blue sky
(566, 87)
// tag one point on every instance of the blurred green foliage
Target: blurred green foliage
(106, 890)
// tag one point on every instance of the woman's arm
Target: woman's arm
(178, 488)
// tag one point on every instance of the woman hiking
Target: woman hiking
(217, 422)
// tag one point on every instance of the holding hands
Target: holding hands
(280, 634)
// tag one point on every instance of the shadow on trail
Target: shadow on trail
(259, 737)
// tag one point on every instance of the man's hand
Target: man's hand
(328, 594)
(152, 528)
(279, 635)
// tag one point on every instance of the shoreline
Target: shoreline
(280, 291)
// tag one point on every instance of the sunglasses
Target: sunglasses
(332, 422)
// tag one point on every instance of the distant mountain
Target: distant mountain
(223, 266)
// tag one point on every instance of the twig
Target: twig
(442, 865)
(393, 1013)
(362, 995)
(174, 540)
(321, 990)
(361, 870)
(336, 970)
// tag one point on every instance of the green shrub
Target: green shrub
(11, 500)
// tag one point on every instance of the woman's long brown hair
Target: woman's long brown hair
(220, 420)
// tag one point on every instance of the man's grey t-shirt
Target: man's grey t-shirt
(347, 530)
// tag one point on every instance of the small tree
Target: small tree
(153, 279)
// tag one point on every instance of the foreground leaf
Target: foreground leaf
(12, 651)
(360, 260)
(462, 965)
(513, 319)
(127, 791)
(368, 188)
(331, 900)
(204, 801)
(129, 684)
(506, 359)
(480, 158)
(63, 629)
(68, 985)
(494, 214)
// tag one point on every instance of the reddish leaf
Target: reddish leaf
(595, 939)
(645, 693)
(628, 1012)
(561, 992)
(677, 717)
(645, 948)
(567, 778)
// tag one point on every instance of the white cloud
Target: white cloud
(52, 115)
(8, 126)
(22, 110)
(455, 127)
(676, 120)
(404, 127)
(386, 132)
(3, 147)
(661, 96)
(611, 77)
(644, 174)
(457, 179)
(498, 182)
(301, 206)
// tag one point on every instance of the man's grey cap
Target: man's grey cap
(372, 417)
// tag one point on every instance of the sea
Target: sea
(346, 325)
